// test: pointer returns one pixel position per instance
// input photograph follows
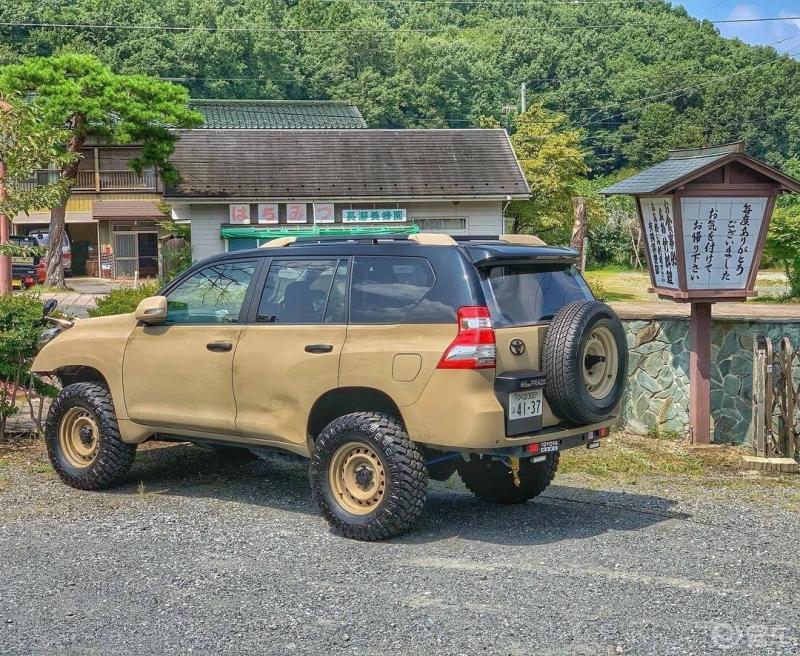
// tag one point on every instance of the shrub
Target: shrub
(176, 260)
(598, 289)
(21, 321)
(123, 300)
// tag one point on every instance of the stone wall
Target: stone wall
(657, 396)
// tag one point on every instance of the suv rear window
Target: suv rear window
(386, 289)
(525, 294)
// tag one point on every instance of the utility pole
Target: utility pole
(523, 97)
(5, 260)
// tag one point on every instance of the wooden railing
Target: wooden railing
(776, 399)
(108, 180)
(85, 181)
(127, 179)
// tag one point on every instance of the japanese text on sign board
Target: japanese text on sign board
(659, 230)
(374, 216)
(720, 236)
(296, 213)
(324, 213)
(239, 214)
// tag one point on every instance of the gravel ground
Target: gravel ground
(200, 555)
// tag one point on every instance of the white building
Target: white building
(239, 188)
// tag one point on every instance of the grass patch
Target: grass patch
(626, 456)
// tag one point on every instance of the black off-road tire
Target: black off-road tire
(565, 388)
(493, 480)
(114, 457)
(404, 466)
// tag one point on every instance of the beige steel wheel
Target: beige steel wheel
(79, 437)
(585, 361)
(83, 439)
(367, 476)
(357, 478)
(601, 360)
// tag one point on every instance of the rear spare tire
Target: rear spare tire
(585, 359)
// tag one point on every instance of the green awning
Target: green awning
(265, 232)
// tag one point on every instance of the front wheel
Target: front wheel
(83, 440)
(493, 480)
(368, 477)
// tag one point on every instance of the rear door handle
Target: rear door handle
(220, 347)
(319, 348)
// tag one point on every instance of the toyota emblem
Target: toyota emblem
(517, 347)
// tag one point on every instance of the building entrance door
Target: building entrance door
(147, 244)
(125, 256)
(135, 250)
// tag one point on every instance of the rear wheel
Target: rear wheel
(83, 440)
(368, 477)
(493, 480)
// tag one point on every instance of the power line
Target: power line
(364, 30)
(682, 91)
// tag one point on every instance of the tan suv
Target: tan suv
(386, 361)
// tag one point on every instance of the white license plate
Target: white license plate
(548, 447)
(522, 405)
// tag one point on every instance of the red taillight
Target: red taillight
(603, 432)
(533, 448)
(474, 345)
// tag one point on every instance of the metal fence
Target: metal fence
(776, 399)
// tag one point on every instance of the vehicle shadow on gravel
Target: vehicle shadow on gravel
(561, 513)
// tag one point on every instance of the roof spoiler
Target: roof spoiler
(515, 239)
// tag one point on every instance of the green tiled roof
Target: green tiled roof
(278, 114)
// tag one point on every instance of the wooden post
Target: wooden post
(699, 374)
(579, 229)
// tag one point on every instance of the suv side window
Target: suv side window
(214, 294)
(386, 289)
(298, 291)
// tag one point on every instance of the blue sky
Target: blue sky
(760, 33)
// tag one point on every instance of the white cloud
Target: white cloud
(768, 32)
(743, 12)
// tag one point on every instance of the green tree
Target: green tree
(93, 102)
(553, 162)
(783, 238)
(26, 144)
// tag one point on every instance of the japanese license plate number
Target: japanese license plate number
(522, 405)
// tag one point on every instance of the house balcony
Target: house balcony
(103, 180)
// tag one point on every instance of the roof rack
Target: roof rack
(424, 239)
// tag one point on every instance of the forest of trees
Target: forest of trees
(636, 77)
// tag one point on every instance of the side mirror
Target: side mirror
(152, 310)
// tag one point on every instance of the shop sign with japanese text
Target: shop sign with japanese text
(374, 216)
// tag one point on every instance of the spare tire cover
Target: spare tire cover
(585, 359)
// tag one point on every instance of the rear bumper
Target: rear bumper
(459, 411)
(589, 440)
